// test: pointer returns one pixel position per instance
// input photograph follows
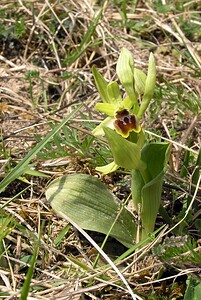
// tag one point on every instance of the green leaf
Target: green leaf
(156, 156)
(197, 172)
(61, 235)
(147, 185)
(193, 290)
(151, 199)
(101, 85)
(86, 40)
(86, 200)
(126, 154)
(137, 184)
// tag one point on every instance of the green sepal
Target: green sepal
(107, 122)
(106, 108)
(109, 168)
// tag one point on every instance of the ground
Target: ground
(47, 50)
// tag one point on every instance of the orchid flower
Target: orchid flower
(124, 114)
(120, 118)
(121, 112)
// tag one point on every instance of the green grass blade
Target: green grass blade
(91, 29)
(145, 241)
(27, 282)
(15, 197)
(19, 169)
(86, 39)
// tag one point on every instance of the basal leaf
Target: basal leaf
(86, 200)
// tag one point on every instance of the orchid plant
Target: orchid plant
(126, 138)
(82, 197)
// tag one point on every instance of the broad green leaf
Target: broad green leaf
(151, 199)
(101, 85)
(114, 92)
(86, 200)
(193, 290)
(126, 154)
(147, 185)
(156, 156)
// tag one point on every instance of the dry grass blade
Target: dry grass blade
(134, 297)
(190, 205)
